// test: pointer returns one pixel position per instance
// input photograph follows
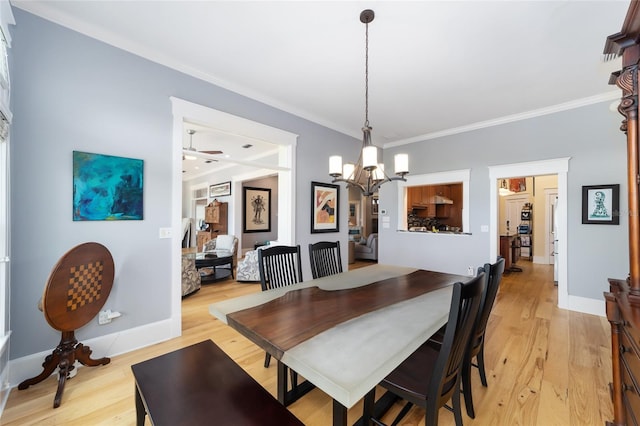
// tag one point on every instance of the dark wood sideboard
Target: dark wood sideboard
(623, 298)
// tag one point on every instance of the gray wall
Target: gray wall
(71, 92)
(589, 135)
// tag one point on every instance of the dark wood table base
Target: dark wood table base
(200, 385)
(288, 396)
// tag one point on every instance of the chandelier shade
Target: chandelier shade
(367, 174)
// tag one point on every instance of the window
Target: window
(435, 201)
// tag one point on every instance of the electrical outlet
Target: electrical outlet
(103, 318)
(470, 271)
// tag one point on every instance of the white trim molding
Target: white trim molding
(557, 166)
(451, 176)
(185, 111)
(578, 103)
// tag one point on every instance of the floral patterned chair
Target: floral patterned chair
(248, 268)
(248, 271)
(190, 276)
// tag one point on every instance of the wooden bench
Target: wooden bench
(201, 385)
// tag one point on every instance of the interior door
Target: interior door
(551, 200)
(513, 208)
(555, 241)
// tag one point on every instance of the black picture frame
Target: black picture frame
(601, 205)
(220, 190)
(325, 208)
(256, 209)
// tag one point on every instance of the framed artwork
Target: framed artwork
(325, 202)
(256, 207)
(220, 190)
(518, 184)
(601, 204)
(107, 187)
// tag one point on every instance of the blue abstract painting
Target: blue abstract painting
(106, 187)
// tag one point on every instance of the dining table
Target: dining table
(346, 332)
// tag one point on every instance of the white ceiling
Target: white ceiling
(434, 65)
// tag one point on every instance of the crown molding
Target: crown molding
(578, 103)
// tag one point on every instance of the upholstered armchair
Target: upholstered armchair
(368, 250)
(223, 245)
(248, 267)
(191, 281)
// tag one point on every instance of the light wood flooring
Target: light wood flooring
(545, 366)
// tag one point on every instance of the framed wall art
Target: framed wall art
(107, 187)
(325, 202)
(220, 190)
(601, 204)
(256, 207)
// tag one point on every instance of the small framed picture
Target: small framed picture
(325, 202)
(220, 190)
(601, 204)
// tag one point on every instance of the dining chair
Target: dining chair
(325, 259)
(279, 266)
(430, 376)
(476, 346)
(493, 274)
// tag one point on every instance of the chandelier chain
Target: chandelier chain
(366, 76)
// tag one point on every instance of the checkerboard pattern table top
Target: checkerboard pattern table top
(78, 286)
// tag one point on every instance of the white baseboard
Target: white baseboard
(109, 345)
(587, 306)
(540, 259)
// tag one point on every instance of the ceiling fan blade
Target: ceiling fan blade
(211, 152)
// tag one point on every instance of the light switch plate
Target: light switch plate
(164, 233)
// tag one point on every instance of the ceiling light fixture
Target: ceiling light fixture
(191, 148)
(367, 168)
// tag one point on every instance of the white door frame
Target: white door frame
(549, 198)
(187, 111)
(557, 166)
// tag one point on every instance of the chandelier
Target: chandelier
(367, 174)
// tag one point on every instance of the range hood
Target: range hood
(439, 199)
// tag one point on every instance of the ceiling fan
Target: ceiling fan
(185, 154)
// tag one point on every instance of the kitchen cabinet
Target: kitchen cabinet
(421, 198)
(442, 190)
(442, 211)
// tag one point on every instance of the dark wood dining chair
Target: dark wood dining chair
(325, 259)
(476, 347)
(279, 266)
(77, 288)
(493, 274)
(430, 376)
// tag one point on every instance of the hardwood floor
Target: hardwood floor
(545, 366)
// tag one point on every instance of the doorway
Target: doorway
(184, 111)
(558, 167)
